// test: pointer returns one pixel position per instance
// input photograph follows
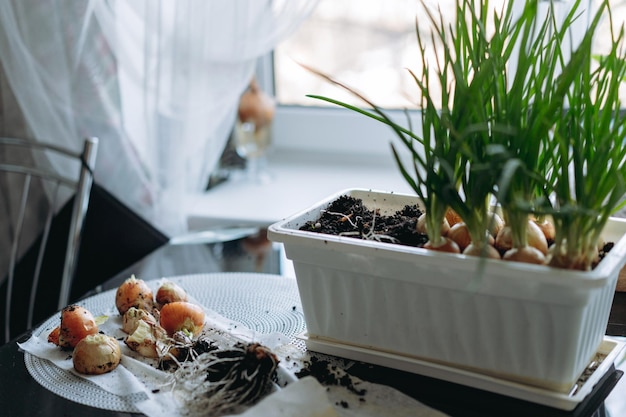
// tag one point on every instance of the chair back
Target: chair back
(37, 191)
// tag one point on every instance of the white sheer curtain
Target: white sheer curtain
(158, 81)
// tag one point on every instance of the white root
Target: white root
(225, 381)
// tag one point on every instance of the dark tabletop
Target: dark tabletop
(21, 395)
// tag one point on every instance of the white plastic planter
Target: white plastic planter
(527, 323)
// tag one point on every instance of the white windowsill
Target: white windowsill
(298, 181)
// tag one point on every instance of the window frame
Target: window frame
(322, 129)
(332, 129)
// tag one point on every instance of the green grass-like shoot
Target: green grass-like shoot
(544, 138)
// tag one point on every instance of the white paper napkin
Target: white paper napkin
(144, 375)
(305, 397)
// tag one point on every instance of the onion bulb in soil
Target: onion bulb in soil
(444, 245)
(421, 225)
(488, 251)
(547, 227)
(558, 257)
(453, 217)
(495, 224)
(527, 254)
(460, 235)
(534, 235)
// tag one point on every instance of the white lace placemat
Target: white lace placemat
(262, 302)
(239, 306)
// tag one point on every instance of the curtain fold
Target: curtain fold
(158, 81)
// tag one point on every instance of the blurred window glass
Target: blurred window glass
(370, 45)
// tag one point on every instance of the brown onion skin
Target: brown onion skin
(453, 217)
(256, 106)
(169, 292)
(460, 235)
(488, 252)
(181, 315)
(134, 293)
(96, 354)
(76, 323)
(421, 225)
(53, 336)
(446, 245)
(495, 224)
(547, 228)
(528, 254)
(536, 239)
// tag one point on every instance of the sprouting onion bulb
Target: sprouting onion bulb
(527, 254)
(534, 238)
(182, 315)
(487, 251)
(444, 244)
(134, 292)
(421, 225)
(544, 139)
(459, 233)
(591, 134)
(547, 227)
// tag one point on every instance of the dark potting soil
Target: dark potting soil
(329, 374)
(347, 216)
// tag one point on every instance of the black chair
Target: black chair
(27, 165)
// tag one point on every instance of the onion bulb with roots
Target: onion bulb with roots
(534, 235)
(560, 258)
(221, 381)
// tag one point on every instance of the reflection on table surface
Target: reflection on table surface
(255, 254)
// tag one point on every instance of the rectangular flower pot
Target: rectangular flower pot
(532, 324)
